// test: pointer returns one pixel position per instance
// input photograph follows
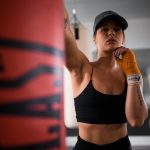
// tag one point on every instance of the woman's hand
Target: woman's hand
(127, 61)
(120, 51)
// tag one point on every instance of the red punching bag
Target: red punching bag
(31, 85)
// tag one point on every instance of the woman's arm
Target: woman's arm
(136, 107)
(74, 58)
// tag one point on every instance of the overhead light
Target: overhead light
(75, 23)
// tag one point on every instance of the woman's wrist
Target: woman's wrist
(134, 79)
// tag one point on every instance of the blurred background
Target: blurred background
(82, 14)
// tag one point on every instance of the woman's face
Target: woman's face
(109, 36)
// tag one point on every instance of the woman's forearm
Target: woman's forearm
(136, 107)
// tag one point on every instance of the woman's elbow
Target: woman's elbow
(137, 120)
(136, 123)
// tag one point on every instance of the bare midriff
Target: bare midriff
(102, 133)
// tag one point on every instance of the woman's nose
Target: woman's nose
(111, 31)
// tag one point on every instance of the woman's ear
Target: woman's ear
(123, 41)
(94, 40)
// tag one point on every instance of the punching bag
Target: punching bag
(31, 75)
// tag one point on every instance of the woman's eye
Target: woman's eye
(117, 29)
(105, 29)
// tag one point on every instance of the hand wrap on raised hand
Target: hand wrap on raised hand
(129, 65)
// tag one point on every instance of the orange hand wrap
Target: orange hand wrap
(128, 63)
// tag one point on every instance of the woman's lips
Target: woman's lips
(111, 41)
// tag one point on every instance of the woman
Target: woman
(108, 92)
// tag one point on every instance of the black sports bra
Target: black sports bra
(95, 107)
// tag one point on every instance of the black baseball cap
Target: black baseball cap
(109, 15)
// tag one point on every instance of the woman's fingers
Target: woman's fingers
(120, 51)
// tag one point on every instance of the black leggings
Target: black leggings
(121, 144)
